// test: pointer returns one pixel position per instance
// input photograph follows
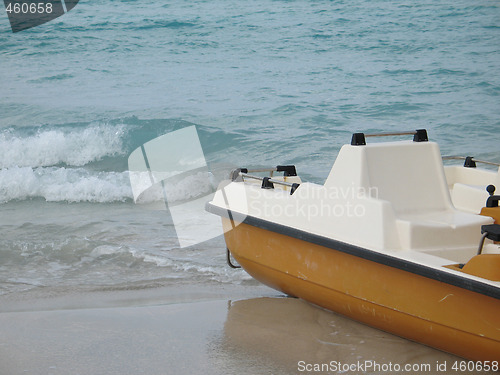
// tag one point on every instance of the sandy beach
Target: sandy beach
(210, 329)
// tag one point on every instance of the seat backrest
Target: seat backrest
(410, 175)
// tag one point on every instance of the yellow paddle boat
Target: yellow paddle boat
(393, 239)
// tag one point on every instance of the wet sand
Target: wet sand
(192, 330)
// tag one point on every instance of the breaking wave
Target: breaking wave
(75, 146)
(88, 162)
(63, 184)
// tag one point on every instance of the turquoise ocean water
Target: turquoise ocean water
(265, 82)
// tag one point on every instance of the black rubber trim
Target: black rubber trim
(469, 162)
(358, 139)
(374, 256)
(493, 231)
(420, 136)
(289, 170)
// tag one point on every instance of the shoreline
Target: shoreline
(187, 329)
(141, 294)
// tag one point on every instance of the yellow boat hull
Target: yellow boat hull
(435, 313)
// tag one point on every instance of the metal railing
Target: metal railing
(390, 134)
(419, 135)
(471, 159)
(268, 179)
(267, 182)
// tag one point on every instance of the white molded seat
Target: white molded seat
(468, 186)
(410, 176)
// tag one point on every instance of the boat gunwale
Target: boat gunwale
(446, 276)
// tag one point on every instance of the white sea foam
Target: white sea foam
(74, 146)
(81, 185)
(220, 272)
(63, 184)
(106, 250)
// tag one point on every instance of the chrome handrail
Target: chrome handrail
(472, 159)
(267, 182)
(288, 171)
(390, 134)
(262, 170)
(271, 180)
(419, 135)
